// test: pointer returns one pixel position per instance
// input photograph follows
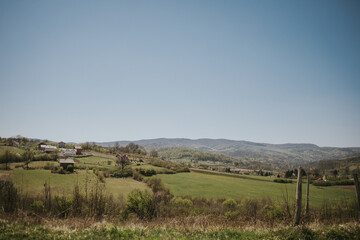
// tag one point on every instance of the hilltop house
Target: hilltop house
(78, 150)
(41, 144)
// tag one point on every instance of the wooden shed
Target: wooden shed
(64, 163)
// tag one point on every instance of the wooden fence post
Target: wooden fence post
(307, 195)
(357, 186)
(298, 198)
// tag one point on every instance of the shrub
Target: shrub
(181, 206)
(146, 172)
(141, 203)
(137, 176)
(100, 176)
(271, 212)
(62, 206)
(49, 166)
(333, 183)
(8, 196)
(281, 180)
(127, 172)
(232, 215)
(156, 184)
(70, 168)
(37, 206)
(229, 204)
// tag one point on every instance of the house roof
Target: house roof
(68, 160)
(47, 146)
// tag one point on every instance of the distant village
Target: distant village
(64, 155)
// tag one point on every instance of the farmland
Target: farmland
(198, 184)
(195, 204)
(31, 182)
(214, 187)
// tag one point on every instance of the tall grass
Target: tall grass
(91, 200)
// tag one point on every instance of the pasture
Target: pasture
(203, 185)
(31, 182)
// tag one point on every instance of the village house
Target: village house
(15, 143)
(78, 150)
(41, 144)
(48, 148)
(66, 152)
(64, 163)
(61, 144)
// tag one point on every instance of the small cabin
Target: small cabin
(61, 144)
(78, 150)
(64, 163)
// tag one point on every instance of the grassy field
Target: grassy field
(32, 182)
(109, 231)
(215, 186)
(11, 149)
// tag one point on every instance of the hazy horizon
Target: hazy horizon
(260, 71)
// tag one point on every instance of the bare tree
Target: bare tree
(28, 156)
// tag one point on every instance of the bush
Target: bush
(8, 196)
(70, 168)
(127, 172)
(62, 206)
(281, 180)
(156, 184)
(137, 176)
(141, 203)
(229, 204)
(181, 206)
(146, 172)
(232, 215)
(271, 212)
(49, 166)
(333, 183)
(37, 206)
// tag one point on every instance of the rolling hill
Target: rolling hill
(275, 155)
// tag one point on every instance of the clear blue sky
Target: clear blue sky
(263, 71)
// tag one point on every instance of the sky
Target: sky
(263, 71)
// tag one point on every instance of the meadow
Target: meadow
(31, 182)
(202, 185)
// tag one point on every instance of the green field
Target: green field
(31, 182)
(215, 186)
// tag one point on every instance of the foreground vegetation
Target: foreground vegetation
(111, 231)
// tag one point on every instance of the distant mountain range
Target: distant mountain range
(283, 155)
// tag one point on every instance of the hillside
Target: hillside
(343, 165)
(276, 155)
